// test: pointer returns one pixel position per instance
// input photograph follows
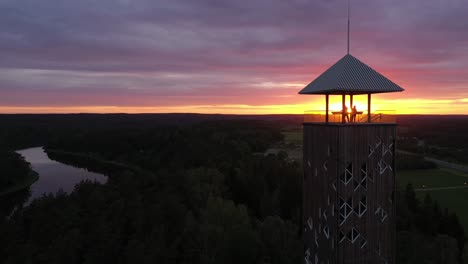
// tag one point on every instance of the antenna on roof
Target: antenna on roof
(348, 26)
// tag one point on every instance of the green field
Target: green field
(433, 178)
(293, 144)
(293, 137)
(456, 200)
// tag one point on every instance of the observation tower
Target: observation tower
(349, 169)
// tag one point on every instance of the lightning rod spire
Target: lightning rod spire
(348, 24)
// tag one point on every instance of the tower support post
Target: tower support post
(369, 108)
(343, 106)
(326, 108)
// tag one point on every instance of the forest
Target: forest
(15, 172)
(184, 189)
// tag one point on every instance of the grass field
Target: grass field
(456, 200)
(293, 137)
(293, 143)
(433, 178)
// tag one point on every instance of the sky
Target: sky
(236, 57)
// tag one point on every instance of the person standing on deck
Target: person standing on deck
(345, 114)
(353, 114)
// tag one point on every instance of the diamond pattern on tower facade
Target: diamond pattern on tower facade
(348, 194)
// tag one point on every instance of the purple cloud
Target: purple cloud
(137, 52)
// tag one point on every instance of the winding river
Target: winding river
(54, 175)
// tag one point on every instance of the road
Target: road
(440, 163)
(441, 188)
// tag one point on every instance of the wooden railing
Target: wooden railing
(318, 116)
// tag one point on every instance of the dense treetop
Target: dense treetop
(183, 192)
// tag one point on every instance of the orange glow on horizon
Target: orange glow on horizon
(399, 106)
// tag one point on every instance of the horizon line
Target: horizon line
(194, 113)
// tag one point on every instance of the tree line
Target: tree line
(210, 196)
(203, 192)
(15, 172)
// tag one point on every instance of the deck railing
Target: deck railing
(380, 116)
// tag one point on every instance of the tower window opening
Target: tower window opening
(326, 232)
(341, 236)
(346, 208)
(347, 175)
(354, 235)
(363, 242)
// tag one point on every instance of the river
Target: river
(54, 175)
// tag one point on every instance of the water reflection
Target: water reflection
(54, 175)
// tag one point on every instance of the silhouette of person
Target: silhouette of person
(353, 114)
(345, 113)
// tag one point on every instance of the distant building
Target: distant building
(349, 170)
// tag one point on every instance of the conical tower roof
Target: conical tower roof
(350, 76)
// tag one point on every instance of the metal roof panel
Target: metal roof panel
(350, 76)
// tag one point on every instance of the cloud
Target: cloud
(193, 52)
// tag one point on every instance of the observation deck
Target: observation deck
(350, 77)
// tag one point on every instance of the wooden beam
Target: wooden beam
(326, 108)
(369, 108)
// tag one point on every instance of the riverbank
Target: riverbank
(24, 184)
(91, 162)
(55, 176)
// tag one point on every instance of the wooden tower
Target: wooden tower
(349, 172)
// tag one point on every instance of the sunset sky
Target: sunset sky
(213, 56)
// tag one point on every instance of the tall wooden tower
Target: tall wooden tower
(349, 172)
